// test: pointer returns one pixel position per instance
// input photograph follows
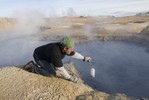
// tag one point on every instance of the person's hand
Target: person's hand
(87, 59)
(74, 79)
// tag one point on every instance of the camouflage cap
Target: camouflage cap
(67, 42)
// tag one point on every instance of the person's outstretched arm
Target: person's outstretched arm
(81, 57)
(66, 75)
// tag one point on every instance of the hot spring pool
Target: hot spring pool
(121, 67)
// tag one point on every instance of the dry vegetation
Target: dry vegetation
(131, 19)
(86, 28)
(6, 23)
(17, 83)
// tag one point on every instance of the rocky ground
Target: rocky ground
(16, 84)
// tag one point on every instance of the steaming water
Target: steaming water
(17, 50)
(120, 67)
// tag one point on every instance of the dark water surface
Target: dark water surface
(120, 67)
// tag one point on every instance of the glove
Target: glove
(87, 59)
(74, 79)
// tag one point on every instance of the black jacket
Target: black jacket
(52, 53)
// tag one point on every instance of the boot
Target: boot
(28, 66)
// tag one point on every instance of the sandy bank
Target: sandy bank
(16, 84)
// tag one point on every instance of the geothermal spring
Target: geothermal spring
(121, 67)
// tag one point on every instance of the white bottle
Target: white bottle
(92, 72)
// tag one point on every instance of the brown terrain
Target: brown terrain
(17, 84)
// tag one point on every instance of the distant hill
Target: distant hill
(143, 14)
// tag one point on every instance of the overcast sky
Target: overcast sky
(82, 7)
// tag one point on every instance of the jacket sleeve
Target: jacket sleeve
(78, 56)
(63, 72)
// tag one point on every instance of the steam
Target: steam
(29, 21)
(87, 30)
(71, 12)
(112, 61)
(17, 44)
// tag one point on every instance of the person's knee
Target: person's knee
(52, 75)
(48, 74)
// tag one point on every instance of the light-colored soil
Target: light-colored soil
(18, 84)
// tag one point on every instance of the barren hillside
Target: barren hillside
(17, 84)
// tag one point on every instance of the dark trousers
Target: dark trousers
(45, 68)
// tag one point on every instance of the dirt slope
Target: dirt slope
(18, 84)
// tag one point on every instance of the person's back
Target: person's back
(49, 57)
(50, 51)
